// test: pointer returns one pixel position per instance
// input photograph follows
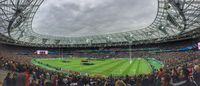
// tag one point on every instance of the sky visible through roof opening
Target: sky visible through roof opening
(75, 18)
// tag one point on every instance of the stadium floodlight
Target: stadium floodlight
(131, 35)
(108, 39)
(44, 40)
(89, 42)
(57, 42)
(129, 38)
(162, 29)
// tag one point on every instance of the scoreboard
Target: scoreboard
(42, 52)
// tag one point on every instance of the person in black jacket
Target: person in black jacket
(7, 80)
(196, 75)
(184, 79)
(14, 80)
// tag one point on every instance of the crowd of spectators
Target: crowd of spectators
(182, 69)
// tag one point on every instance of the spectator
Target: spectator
(8, 80)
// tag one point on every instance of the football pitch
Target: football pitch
(105, 67)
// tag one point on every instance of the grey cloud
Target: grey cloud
(70, 19)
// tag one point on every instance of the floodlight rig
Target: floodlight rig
(179, 6)
(174, 18)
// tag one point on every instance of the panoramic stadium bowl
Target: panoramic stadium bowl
(106, 67)
(88, 39)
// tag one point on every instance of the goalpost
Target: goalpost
(60, 51)
(130, 52)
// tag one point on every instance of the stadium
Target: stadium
(100, 43)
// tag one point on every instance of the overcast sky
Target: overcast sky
(74, 18)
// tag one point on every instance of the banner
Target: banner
(199, 45)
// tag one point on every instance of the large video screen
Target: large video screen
(199, 45)
(42, 52)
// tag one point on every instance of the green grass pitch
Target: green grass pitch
(115, 67)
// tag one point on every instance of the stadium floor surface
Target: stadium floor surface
(115, 67)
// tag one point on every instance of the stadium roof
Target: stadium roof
(173, 18)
